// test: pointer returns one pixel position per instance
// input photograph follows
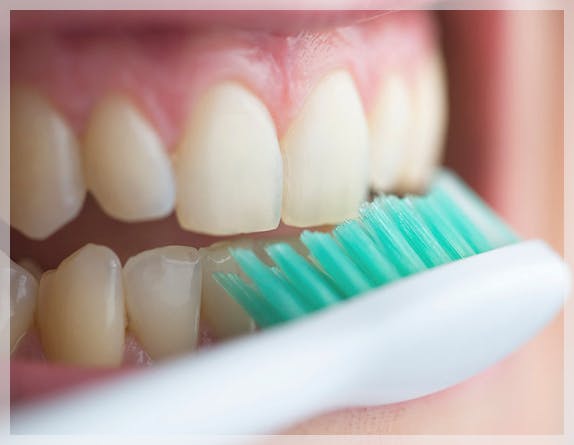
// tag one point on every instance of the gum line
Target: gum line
(165, 72)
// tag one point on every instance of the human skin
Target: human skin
(506, 100)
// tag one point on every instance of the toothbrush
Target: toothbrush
(445, 289)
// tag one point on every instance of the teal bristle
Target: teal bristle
(392, 238)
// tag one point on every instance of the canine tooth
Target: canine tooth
(47, 187)
(430, 117)
(390, 125)
(163, 295)
(223, 314)
(326, 155)
(81, 314)
(126, 165)
(228, 165)
(23, 292)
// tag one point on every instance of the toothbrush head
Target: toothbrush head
(392, 238)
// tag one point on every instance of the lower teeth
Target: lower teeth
(85, 305)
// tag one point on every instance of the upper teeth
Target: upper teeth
(325, 152)
(425, 146)
(228, 165)
(230, 174)
(126, 165)
(46, 182)
(390, 126)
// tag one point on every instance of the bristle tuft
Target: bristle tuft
(393, 238)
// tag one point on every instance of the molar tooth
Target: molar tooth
(23, 292)
(81, 314)
(47, 187)
(163, 295)
(223, 314)
(228, 165)
(127, 167)
(430, 108)
(326, 155)
(390, 124)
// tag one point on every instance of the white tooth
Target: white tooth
(81, 313)
(326, 154)
(223, 314)
(163, 295)
(430, 117)
(390, 126)
(31, 266)
(23, 292)
(228, 165)
(127, 167)
(47, 187)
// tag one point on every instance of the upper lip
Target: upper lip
(286, 21)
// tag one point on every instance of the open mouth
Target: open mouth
(139, 152)
(144, 144)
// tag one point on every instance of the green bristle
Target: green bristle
(392, 238)
(350, 280)
(281, 297)
(305, 278)
(442, 229)
(486, 221)
(259, 309)
(363, 251)
(415, 231)
(461, 221)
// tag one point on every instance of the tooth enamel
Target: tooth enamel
(163, 295)
(81, 314)
(47, 187)
(430, 116)
(31, 266)
(228, 165)
(326, 154)
(223, 314)
(127, 167)
(390, 126)
(23, 292)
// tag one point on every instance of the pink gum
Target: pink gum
(164, 72)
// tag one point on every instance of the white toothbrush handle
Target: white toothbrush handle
(414, 337)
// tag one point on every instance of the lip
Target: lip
(285, 21)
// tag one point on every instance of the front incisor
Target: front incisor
(81, 314)
(326, 154)
(228, 165)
